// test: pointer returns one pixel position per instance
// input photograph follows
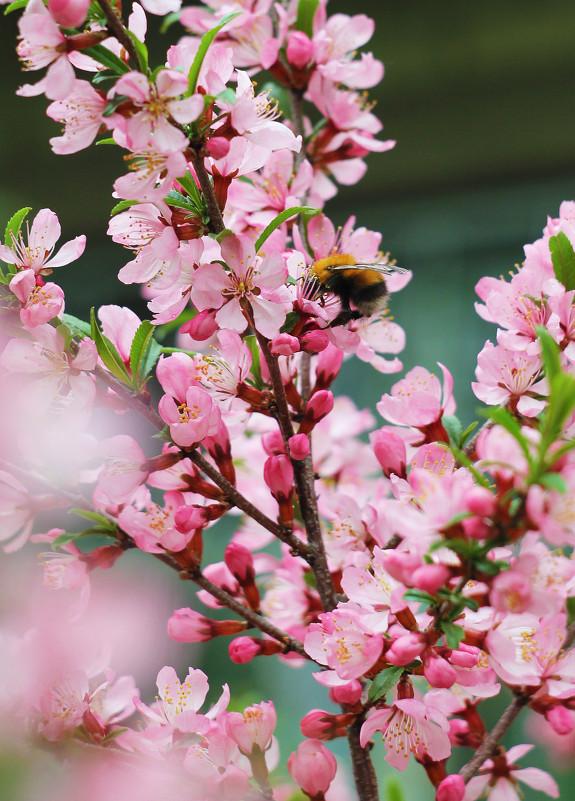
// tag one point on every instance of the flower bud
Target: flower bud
(314, 341)
(390, 452)
(430, 578)
(439, 673)
(405, 649)
(218, 147)
(284, 345)
(328, 365)
(323, 725)
(243, 649)
(186, 625)
(299, 446)
(452, 788)
(273, 443)
(347, 694)
(69, 13)
(561, 719)
(201, 327)
(313, 767)
(299, 50)
(319, 405)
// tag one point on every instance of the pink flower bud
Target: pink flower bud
(561, 719)
(459, 732)
(452, 788)
(405, 649)
(313, 767)
(299, 49)
(273, 443)
(439, 673)
(202, 327)
(69, 13)
(319, 405)
(430, 578)
(278, 475)
(239, 561)
(480, 501)
(298, 446)
(466, 656)
(346, 694)
(284, 345)
(314, 341)
(244, 649)
(218, 147)
(401, 565)
(186, 625)
(323, 725)
(328, 366)
(190, 518)
(389, 449)
(254, 728)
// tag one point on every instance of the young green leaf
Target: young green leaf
(563, 259)
(549, 353)
(108, 352)
(107, 58)
(100, 520)
(207, 39)
(452, 425)
(453, 634)
(14, 225)
(305, 13)
(140, 344)
(383, 682)
(16, 5)
(141, 50)
(393, 791)
(281, 218)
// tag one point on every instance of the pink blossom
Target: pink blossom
(512, 377)
(252, 728)
(154, 528)
(334, 46)
(409, 727)
(179, 702)
(124, 468)
(452, 788)
(249, 283)
(40, 302)
(418, 400)
(43, 44)
(313, 767)
(552, 512)
(190, 421)
(42, 238)
(498, 778)
(155, 103)
(81, 112)
(16, 512)
(151, 172)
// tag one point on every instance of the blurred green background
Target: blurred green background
(480, 99)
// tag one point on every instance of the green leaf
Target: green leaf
(549, 352)
(570, 610)
(256, 370)
(14, 225)
(470, 428)
(169, 20)
(108, 353)
(504, 418)
(99, 519)
(144, 353)
(107, 58)
(281, 218)
(141, 50)
(78, 327)
(452, 425)
(291, 319)
(563, 259)
(17, 4)
(139, 347)
(207, 39)
(419, 595)
(122, 205)
(228, 96)
(113, 104)
(392, 789)
(64, 539)
(453, 634)
(305, 13)
(487, 567)
(384, 681)
(553, 481)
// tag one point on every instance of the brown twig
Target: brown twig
(488, 746)
(214, 211)
(118, 30)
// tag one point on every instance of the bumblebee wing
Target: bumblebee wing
(385, 269)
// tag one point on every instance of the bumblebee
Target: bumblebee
(362, 285)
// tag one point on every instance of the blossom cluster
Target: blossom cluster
(421, 570)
